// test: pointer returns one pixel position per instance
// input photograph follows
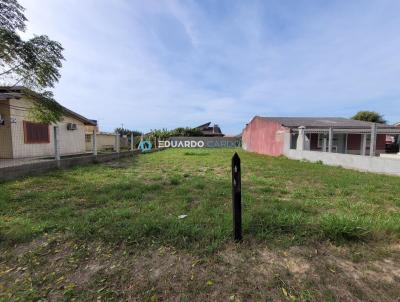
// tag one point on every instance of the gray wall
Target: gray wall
(212, 142)
(357, 162)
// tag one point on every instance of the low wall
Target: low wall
(36, 168)
(204, 142)
(357, 162)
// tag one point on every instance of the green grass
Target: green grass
(140, 201)
(136, 203)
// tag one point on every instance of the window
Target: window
(88, 138)
(35, 133)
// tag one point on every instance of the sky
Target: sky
(165, 64)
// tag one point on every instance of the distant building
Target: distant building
(273, 135)
(208, 130)
(104, 141)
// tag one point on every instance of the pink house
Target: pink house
(273, 135)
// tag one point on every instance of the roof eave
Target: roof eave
(19, 90)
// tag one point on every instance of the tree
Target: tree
(34, 63)
(124, 131)
(369, 116)
(163, 134)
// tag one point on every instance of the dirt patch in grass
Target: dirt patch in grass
(316, 274)
(238, 272)
(84, 274)
(20, 250)
(120, 164)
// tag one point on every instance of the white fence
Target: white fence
(20, 146)
(357, 162)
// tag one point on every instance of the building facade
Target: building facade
(105, 141)
(21, 137)
(272, 135)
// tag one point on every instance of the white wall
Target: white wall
(5, 130)
(357, 162)
(105, 140)
(71, 141)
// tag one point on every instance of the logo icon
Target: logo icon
(145, 146)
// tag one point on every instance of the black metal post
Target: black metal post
(236, 198)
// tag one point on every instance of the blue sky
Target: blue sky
(152, 64)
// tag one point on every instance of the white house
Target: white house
(20, 137)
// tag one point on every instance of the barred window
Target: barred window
(88, 138)
(35, 133)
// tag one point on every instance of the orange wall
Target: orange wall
(263, 136)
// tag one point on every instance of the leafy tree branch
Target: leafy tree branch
(34, 64)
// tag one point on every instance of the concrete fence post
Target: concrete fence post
(372, 147)
(301, 140)
(398, 143)
(57, 155)
(330, 143)
(117, 141)
(363, 144)
(286, 142)
(94, 143)
(324, 144)
(132, 141)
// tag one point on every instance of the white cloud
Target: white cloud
(175, 63)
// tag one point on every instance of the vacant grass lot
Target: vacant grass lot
(111, 232)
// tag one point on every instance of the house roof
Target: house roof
(208, 130)
(322, 122)
(16, 92)
(216, 130)
(206, 125)
(7, 96)
(233, 135)
(79, 117)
